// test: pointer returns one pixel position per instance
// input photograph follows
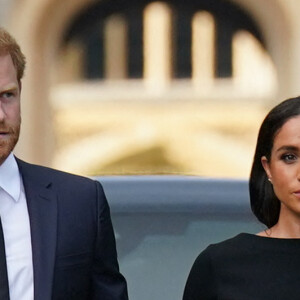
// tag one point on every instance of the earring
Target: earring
(270, 180)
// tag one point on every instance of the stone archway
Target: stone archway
(38, 27)
(275, 23)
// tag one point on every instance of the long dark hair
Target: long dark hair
(264, 203)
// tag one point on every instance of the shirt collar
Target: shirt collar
(10, 177)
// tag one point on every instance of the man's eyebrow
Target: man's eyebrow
(287, 148)
(9, 88)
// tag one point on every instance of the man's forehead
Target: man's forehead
(6, 57)
(4, 53)
(8, 73)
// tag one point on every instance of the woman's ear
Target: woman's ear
(266, 166)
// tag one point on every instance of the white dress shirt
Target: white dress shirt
(16, 229)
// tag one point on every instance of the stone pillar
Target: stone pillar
(70, 65)
(203, 47)
(157, 44)
(115, 47)
(253, 69)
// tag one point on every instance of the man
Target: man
(59, 240)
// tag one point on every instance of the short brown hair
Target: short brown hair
(8, 45)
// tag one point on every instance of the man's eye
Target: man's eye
(7, 95)
(289, 158)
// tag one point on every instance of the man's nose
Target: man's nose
(2, 112)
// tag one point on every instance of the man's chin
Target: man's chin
(3, 157)
(6, 149)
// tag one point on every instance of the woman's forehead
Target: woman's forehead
(289, 133)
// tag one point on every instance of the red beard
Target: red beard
(9, 141)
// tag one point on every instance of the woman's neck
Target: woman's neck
(287, 227)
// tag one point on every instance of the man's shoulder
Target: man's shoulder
(42, 172)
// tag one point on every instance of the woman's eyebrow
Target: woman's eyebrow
(288, 148)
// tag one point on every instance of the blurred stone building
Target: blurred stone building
(91, 63)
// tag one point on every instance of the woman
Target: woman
(266, 265)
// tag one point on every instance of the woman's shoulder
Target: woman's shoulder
(219, 256)
(238, 241)
(233, 251)
(249, 244)
(225, 245)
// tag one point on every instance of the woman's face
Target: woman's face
(283, 168)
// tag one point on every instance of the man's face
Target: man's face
(10, 118)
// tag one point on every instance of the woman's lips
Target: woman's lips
(297, 193)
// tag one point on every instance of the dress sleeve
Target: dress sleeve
(201, 284)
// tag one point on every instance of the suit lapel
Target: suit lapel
(42, 209)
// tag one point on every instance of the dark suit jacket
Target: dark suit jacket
(73, 244)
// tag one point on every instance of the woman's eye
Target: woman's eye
(289, 158)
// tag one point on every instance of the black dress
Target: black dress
(246, 267)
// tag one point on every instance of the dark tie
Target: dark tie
(4, 293)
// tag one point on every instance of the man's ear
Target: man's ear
(266, 166)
